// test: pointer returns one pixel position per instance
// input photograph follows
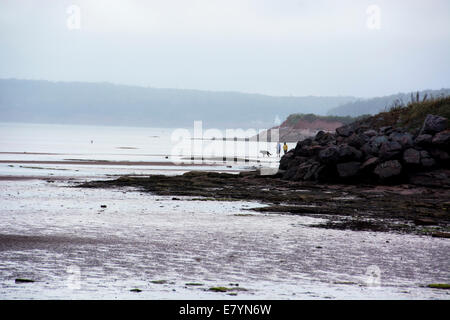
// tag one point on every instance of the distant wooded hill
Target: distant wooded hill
(376, 105)
(109, 104)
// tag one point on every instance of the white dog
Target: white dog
(265, 153)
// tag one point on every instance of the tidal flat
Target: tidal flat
(128, 242)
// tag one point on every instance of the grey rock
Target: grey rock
(377, 141)
(357, 140)
(411, 156)
(285, 160)
(348, 169)
(290, 173)
(370, 149)
(388, 169)
(303, 151)
(345, 131)
(370, 163)
(426, 160)
(323, 138)
(303, 143)
(434, 124)
(442, 138)
(307, 170)
(348, 153)
(370, 133)
(329, 155)
(423, 140)
(405, 139)
(385, 130)
(303, 148)
(440, 154)
(390, 149)
(296, 161)
(424, 154)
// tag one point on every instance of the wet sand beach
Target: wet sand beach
(61, 237)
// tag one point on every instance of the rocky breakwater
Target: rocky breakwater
(357, 153)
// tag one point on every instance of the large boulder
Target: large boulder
(324, 138)
(390, 150)
(440, 155)
(370, 133)
(303, 151)
(411, 156)
(348, 153)
(303, 148)
(296, 161)
(442, 138)
(348, 169)
(357, 140)
(345, 131)
(426, 160)
(434, 124)
(370, 164)
(423, 140)
(308, 170)
(329, 155)
(290, 173)
(385, 130)
(377, 141)
(388, 169)
(370, 149)
(285, 160)
(405, 139)
(304, 143)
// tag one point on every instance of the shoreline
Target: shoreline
(105, 162)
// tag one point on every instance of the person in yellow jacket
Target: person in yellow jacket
(285, 148)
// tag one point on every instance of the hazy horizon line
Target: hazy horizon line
(218, 91)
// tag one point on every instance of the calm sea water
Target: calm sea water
(122, 143)
(52, 142)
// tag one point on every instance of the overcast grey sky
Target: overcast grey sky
(276, 47)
